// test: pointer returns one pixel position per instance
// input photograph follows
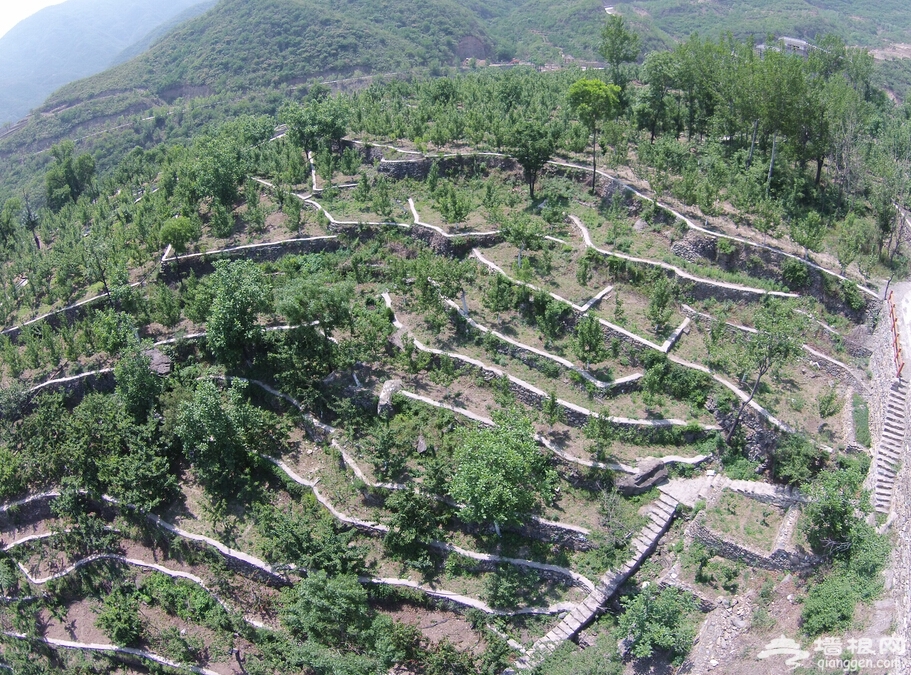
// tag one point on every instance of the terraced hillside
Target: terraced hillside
(325, 480)
(333, 393)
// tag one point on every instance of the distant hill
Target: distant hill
(70, 41)
(860, 22)
(241, 45)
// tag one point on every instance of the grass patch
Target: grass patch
(861, 421)
(745, 520)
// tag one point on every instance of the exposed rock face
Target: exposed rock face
(159, 363)
(390, 387)
(650, 472)
(695, 248)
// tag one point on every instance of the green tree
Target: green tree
(381, 201)
(69, 176)
(500, 295)
(10, 215)
(660, 296)
(835, 497)
(659, 619)
(318, 297)
(240, 291)
(500, 474)
(178, 233)
(532, 144)
(119, 617)
(222, 435)
(808, 231)
(593, 102)
(317, 122)
(523, 232)
(329, 610)
(413, 526)
(777, 342)
(588, 342)
(137, 385)
(619, 45)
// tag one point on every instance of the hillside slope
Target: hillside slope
(241, 45)
(857, 22)
(69, 41)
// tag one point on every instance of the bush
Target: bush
(601, 659)
(504, 587)
(829, 403)
(853, 297)
(796, 460)
(184, 600)
(329, 610)
(829, 606)
(659, 620)
(796, 274)
(119, 618)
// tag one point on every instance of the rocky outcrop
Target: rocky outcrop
(651, 473)
(390, 388)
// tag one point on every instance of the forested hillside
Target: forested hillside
(862, 23)
(70, 41)
(440, 374)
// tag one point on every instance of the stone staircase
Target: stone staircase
(891, 444)
(660, 515)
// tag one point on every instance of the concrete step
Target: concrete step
(652, 530)
(660, 519)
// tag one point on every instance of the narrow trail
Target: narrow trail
(133, 562)
(718, 235)
(280, 578)
(612, 328)
(114, 649)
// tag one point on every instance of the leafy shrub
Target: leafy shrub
(796, 274)
(853, 297)
(119, 617)
(726, 246)
(797, 460)
(659, 620)
(310, 538)
(505, 587)
(600, 659)
(662, 376)
(829, 403)
(184, 600)
(829, 606)
(112, 331)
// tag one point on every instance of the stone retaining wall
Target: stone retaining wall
(175, 268)
(765, 263)
(778, 560)
(419, 168)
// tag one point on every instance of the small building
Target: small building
(788, 45)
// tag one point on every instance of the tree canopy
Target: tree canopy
(500, 474)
